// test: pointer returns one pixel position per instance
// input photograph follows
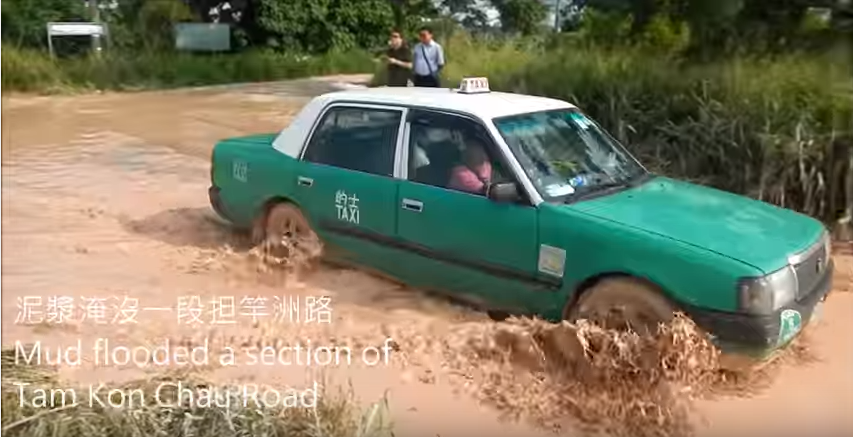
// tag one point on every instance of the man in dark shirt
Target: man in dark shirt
(399, 61)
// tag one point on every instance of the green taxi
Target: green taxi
(523, 205)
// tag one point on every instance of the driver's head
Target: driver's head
(475, 152)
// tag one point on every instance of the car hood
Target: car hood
(751, 231)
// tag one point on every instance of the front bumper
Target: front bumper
(760, 336)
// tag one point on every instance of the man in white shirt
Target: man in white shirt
(427, 60)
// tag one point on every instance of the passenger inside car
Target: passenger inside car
(474, 174)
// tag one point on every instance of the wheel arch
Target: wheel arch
(587, 284)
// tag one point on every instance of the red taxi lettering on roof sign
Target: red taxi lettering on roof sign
(474, 85)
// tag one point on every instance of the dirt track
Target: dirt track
(105, 195)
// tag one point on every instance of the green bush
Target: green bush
(28, 70)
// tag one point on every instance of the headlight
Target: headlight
(768, 293)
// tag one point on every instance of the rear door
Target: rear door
(346, 178)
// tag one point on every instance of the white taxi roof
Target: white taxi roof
(484, 105)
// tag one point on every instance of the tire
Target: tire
(497, 316)
(623, 303)
(287, 234)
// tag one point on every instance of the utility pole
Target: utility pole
(96, 18)
(556, 15)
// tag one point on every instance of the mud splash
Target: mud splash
(293, 256)
(582, 376)
(600, 381)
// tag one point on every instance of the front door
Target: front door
(347, 177)
(482, 249)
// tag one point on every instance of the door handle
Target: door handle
(305, 182)
(413, 205)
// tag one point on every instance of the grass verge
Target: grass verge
(34, 71)
(336, 415)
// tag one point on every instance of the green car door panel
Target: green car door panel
(471, 231)
(346, 177)
(465, 228)
(346, 203)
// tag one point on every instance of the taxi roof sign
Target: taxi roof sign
(474, 85)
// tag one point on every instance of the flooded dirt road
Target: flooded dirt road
(104, 202)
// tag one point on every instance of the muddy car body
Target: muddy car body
(569, 224)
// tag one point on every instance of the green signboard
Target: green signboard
(207, 37)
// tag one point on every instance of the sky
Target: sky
(494, 17)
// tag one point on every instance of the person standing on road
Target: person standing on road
(399, 59)
(428, 60)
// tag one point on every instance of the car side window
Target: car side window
(452, 152)
(354, 138)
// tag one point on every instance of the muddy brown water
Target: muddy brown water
(104, 200)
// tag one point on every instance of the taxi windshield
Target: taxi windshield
(565, 154)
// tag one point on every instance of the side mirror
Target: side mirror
(506, 192)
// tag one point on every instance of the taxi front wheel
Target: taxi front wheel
(623, 303)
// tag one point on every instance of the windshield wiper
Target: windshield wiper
(609, 186)
(598, 189)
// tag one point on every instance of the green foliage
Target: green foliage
(146, 24)
(410, 14)
(666, 35)
(466, 12)
(604, 27)
(727, 26)
(498, 60)
(24, 21)
(323, 25)
(521, 16)
(29, 70)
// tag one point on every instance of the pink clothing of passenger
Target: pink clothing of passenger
(464, 179)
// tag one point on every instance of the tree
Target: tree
(409, 14)
(521, 16)
(470, 14)
(146, 24)
(25, 20)
(570, 15)
(220, 11)
(842, 16)
(323, 25)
